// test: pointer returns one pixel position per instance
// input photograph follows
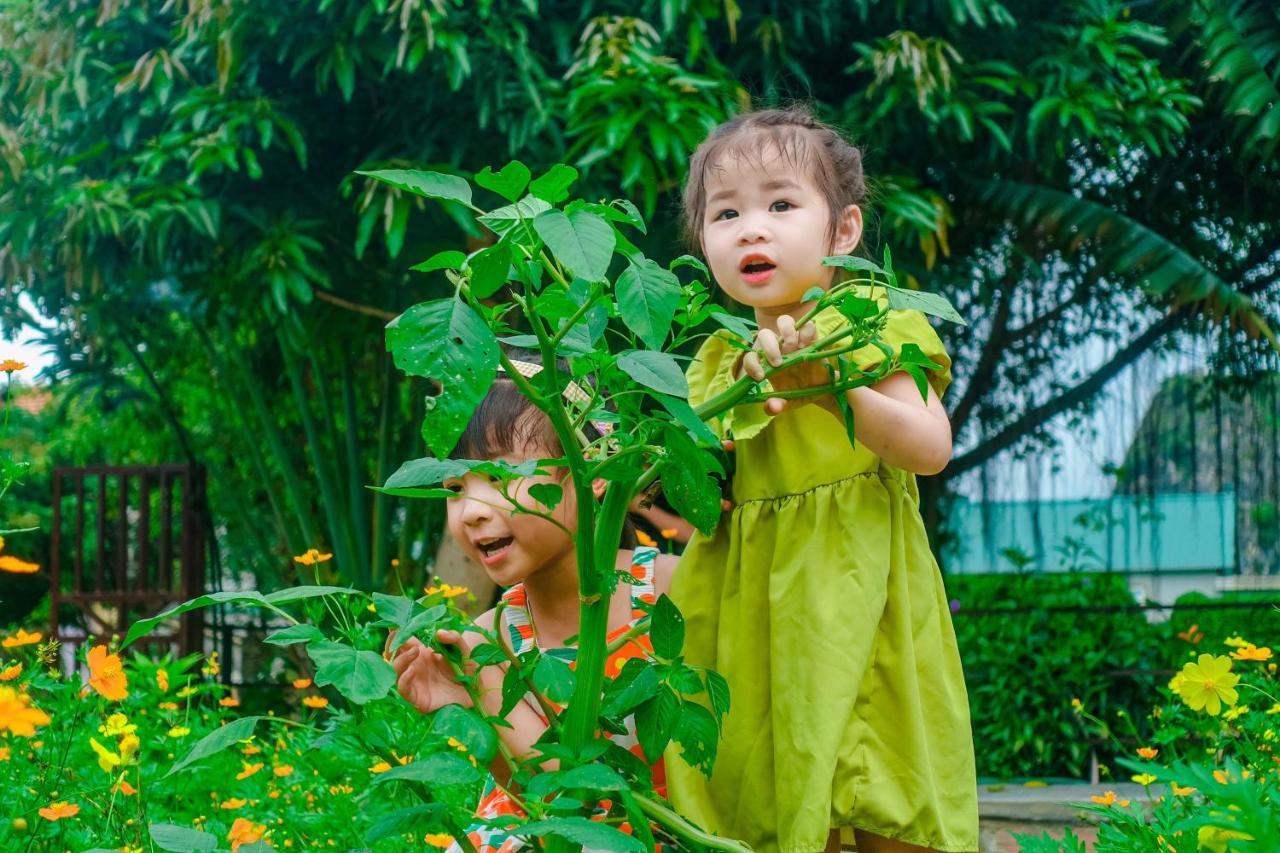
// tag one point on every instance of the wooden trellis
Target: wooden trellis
(130, 545)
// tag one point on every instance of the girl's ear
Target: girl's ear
(598, 485)
(848, 231)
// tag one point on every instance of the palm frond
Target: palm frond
(1126, 249)
(1240, 42)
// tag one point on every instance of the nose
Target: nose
(475, 511)
(752, 228)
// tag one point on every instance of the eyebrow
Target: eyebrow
(777, 184)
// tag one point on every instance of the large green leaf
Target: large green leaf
(440, 768)
(447, 342)
(582, 831)
(648, 297)
(933, 304)
(582, 241)
(429, 471)
(656, 722)
(404, 821)
(554, 186)
(508, 183)
(216, 741)
(144, 626)
(656, 370)
(1125, 247)
(466, 727)
(686, 473)
(360, 675)
(426, 184)
(181, 839)
(1241, 45)
(667, 629)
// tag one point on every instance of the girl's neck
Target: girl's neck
(551, 594)
(767, 317)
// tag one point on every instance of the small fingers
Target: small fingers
(808, 334)
(449, 638)
(775, 406)
(767, 341)
(751, 365)
(788, 337)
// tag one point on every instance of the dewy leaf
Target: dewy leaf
(582, 241)
(667, 629)
(447, 342)
(427, 184)
(450, 259)
(359, 675)
(934, 304)
(648, 297)
(687, 482)
(180, 839)
(656, 370)
(508, 183)
(553, 187)
(489, 268)
(216, 741)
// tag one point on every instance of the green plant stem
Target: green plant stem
(639, 629)
(553, 717)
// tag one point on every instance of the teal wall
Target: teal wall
(1167, 533)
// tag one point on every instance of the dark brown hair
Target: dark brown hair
(834, 166)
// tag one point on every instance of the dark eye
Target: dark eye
(726, 214)
(454, 487)
(780, 206)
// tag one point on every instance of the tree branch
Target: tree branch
(380, 313)
(987, 361)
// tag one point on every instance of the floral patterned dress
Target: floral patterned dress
(518, 625)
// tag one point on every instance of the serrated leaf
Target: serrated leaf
(637, 683)
(687, 482)
(553, 678)
(426, 184)
(656, 370)
(553, 187)
(508, 183)
(216, 741)
(447, 342)
(503, 219)
(655, 722)
(718, 690)
(697, 732)
(648, 297)
(933, 304)
(416, 624)
(582, 241)
(360, 675)
(450, 259)
(487, 654)
(666, 629)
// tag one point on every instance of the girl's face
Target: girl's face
(766, 230)
(511, 546)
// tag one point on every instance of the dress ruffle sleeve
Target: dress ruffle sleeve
(902, 327)
(710, 373)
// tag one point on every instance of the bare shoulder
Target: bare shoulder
(485, 620)
(664, 568)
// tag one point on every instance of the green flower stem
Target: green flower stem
(641, 627)
(469, 685)
(553, 718)
(574, 318)
(683, 829)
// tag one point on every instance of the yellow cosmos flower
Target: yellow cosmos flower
(168, 706)
(1144, 779)
(162, 680)
(283, 770)
(315, 701)
(645, 539)
(457, 744)
(312, 557)
(179, 731)
(380, 767)
(18, 715)
(449, 590)
(1109, 799)
(129, 746)
(5, 752)
(11, 673)
(106, 674)
(22, 638)
(1251, 652)
(10, 365)
(229, 702)
(233, 803)
(1182, 791)
(439, 839)
(249, 769)
(186, 692)
(117, 725)
(1234, 713)
(11, 564)
(1236, 642)
(245, 831)
(1221, 777)
(301, 683)
(107, 759)
(1208, 684)
(57, 811)
(211, 666)
(1147, 752)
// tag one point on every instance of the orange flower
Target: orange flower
(668, 532)
(249, 770)
(380, 767)
(18, 715)
(11, 564)
(645, 539)
(1109, 799)
(315, 701)
(1248, 652)
(1180, 791)
(5, 752)
(10, 365)
(302, 683)
(168, 706)
(1147, 752)
(439, 839)
(162, 680)
(22, 638)
(106, 674)
(245, 831)
(11, 673)
(233, 803)
(1192, 635)
(57, 811)
(229, 702)
(312, 557)
(125, 788)
(283, 770)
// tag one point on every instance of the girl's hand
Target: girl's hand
(809, 374)
(424, 677)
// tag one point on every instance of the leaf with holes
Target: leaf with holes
(447, 342)
(686, 473)
(656, 722)
(667, 629)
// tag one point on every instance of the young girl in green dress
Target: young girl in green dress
(818, 597)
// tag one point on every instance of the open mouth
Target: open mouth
(491, 548)
(757, 270)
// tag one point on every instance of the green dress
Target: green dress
(819, 600)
